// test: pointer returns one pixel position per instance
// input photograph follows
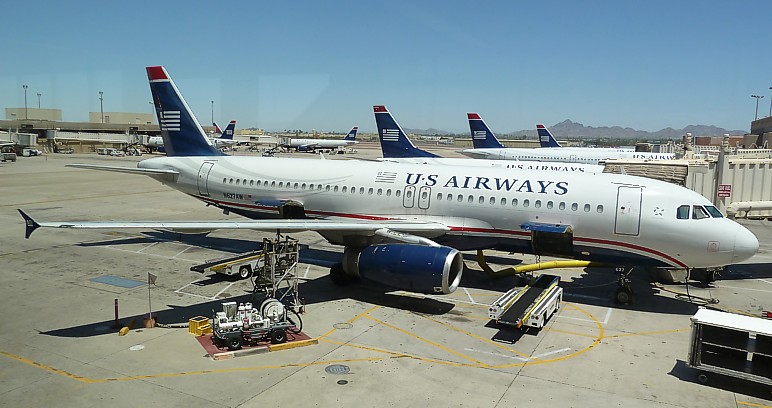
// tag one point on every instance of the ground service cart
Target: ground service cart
(241, 325)
(731, 344)
(530, 306)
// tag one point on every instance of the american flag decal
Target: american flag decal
(391, 135)
(385, 177)
(479, 134)
(170, 121)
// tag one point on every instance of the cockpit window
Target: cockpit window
(714, 212)
(699, 213)
(683, 212)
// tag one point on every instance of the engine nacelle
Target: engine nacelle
(414, 268)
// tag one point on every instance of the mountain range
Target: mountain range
(569, 129)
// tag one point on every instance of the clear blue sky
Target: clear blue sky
(301, 65)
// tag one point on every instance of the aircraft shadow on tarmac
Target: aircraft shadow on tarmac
(685, 373)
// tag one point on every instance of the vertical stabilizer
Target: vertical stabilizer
(352, 134)
(394, 141)
(482, 137)
(545, 137)
(181, 132)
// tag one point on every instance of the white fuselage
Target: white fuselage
(614, 218)
(560, 154)
(501, 164)
(320, 143)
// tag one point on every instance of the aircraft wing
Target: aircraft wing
(130, 170)
(290, 225)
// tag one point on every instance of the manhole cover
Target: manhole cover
(342, 382)
(138, 347)
(343, 325)
(338, 369)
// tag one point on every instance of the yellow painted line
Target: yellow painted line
(594, 344)
(352, 320)
(395, 354)
(651, 333)
(184, 373)
(592, 336)
(427, 341)
(751, 404)
(474, 336)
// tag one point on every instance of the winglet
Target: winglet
(30, 224)
(545, 137)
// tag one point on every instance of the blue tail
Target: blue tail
(182, 134)
(229, 130)
(482, 137)
(352, 134)
(394, 141)
(545, 137)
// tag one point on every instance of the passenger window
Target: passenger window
(503, 201)
(362, 190)
(273, 184)
(562, 206)
(231, 181)
(225, 181)
(492, 200)
(525, 203)
(335, 190)
(327, 188)
(714, 212)
(397, 193)
(600, 209)
(480, 199)
(514, 202)
(699, 213)
(460, 198)
(450, 197)
(380, 191)
(549, 205)
(251, 183)
(574, 206)
(344, 189)
(439, 196)
(537, 203)
(683, 212)
(370, 191)
(295, 186)
(586, 208)
(281, 184)
(388, 192)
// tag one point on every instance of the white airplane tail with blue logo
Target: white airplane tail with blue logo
(482, 137)
(181, 132)
(394, 141)
(545, 137)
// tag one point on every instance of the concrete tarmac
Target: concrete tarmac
(58, 346)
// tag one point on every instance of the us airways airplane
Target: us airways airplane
(486, 146)
(398, 148)
(309, 145)
(226, 136)
(403, 225)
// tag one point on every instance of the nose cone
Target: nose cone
(745, 245)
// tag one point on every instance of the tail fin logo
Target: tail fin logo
(479, 134)
(170, 121)
(391, 135)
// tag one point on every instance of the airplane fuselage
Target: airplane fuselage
(560, 154)
(619, 219)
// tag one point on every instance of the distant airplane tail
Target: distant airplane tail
(229, 130)
(352, 134)
(216, 127)
(545, 137)
(181, 132)
(394, 141)
(482, 137)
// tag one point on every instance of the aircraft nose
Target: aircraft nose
(745, 244)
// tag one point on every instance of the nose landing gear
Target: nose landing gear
(624, 293)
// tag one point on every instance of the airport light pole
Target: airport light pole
(212, 112)
(770, 103)
(39, 99)
(25, 101)
(757, 104)
(101, 106)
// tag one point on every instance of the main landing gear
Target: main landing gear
(624, 293)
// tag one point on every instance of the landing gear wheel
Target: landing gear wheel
(278, 336)
(338, 276)
(624, 295)
(702, 378)
(245, 272)
(234, 343)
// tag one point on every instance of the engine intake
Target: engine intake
(414, 268)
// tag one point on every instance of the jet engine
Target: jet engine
(415, 268)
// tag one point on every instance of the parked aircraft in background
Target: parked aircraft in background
(487, 146)
(226, 136)
(403, 225)
(397, 147)
(309, 145)
(547, 140)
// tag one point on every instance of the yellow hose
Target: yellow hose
(532, 267)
